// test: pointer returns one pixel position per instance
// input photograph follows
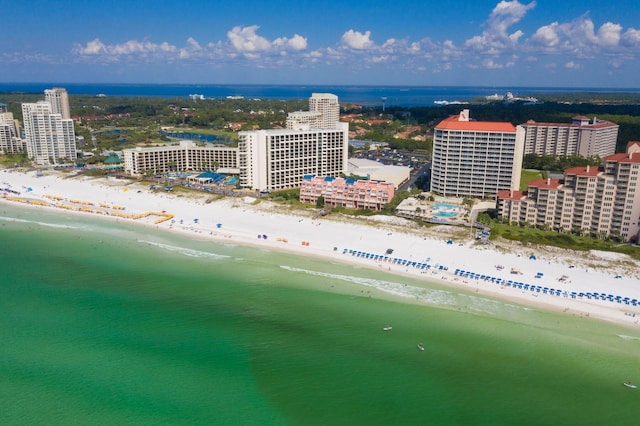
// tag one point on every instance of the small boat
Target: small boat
(630, 385)
(422, 348)
(387, 328)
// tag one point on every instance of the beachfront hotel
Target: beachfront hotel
(582, 136)
(185, 156)
(264, 160)
(475, 158)
(278, 159)
(349, 193)
(315, 142)
(596, 201)
(49, 137)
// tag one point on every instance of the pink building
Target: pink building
(349, 193)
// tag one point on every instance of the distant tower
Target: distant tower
(59, 100)
(384, 101)
(329, 108)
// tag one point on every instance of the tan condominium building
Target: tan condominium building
(10, 140)
(59, 100)
(475, 158)
(346, 192)
(186, 156)
(583, 136)
(602, 202)
(278, 159)
(324, 113)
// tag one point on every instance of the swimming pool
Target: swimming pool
(445, 214)
(444, 206)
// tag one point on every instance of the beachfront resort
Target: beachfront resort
(472, 160)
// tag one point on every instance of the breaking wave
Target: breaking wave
(469, 303)
(185, 251)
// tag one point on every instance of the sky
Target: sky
(540, 43)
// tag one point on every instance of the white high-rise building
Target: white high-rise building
(49, 137)
(278, 159)
(303, 120)
(59, 100)
(476, 158)
(324, 113)
(10, 140)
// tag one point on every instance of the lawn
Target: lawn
(527, 176)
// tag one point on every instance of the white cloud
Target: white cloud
(193, 44)
(495, 37)
(490, 64)
(246, 40)
(357, 40)
(500, 45)
(578, 38)
(93, 47)
(609, 34)
(631, 38)
(297, 42)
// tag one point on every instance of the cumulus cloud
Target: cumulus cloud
(495, 37)
(499, 44)
(357, 40)
(241, 42)
(246, 40)
(93, 47)
(131, 47)
(297, 42)
(579, 38)
(631, 38)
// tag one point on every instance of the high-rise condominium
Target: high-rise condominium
(49, 137)
(59, 100)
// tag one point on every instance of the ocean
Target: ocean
(405, 96)
(111, 323)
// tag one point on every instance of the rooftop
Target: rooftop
(583, 171)
(464, 123)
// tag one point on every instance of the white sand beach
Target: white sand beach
(436, 254)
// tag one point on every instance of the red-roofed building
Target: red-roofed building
(475, 158)
(582, 136)
(602, 202)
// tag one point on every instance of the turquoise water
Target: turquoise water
(438, 206)
(445, 214)
(444, 206)
(105, 323)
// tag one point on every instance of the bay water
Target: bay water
(404, 96)
(113, 323)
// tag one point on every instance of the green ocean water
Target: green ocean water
(108, 323)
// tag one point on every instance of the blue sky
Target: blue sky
(568, 43)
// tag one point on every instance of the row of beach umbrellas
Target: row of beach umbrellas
(394, 260)
(547, 290)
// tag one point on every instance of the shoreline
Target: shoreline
(435, 254)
